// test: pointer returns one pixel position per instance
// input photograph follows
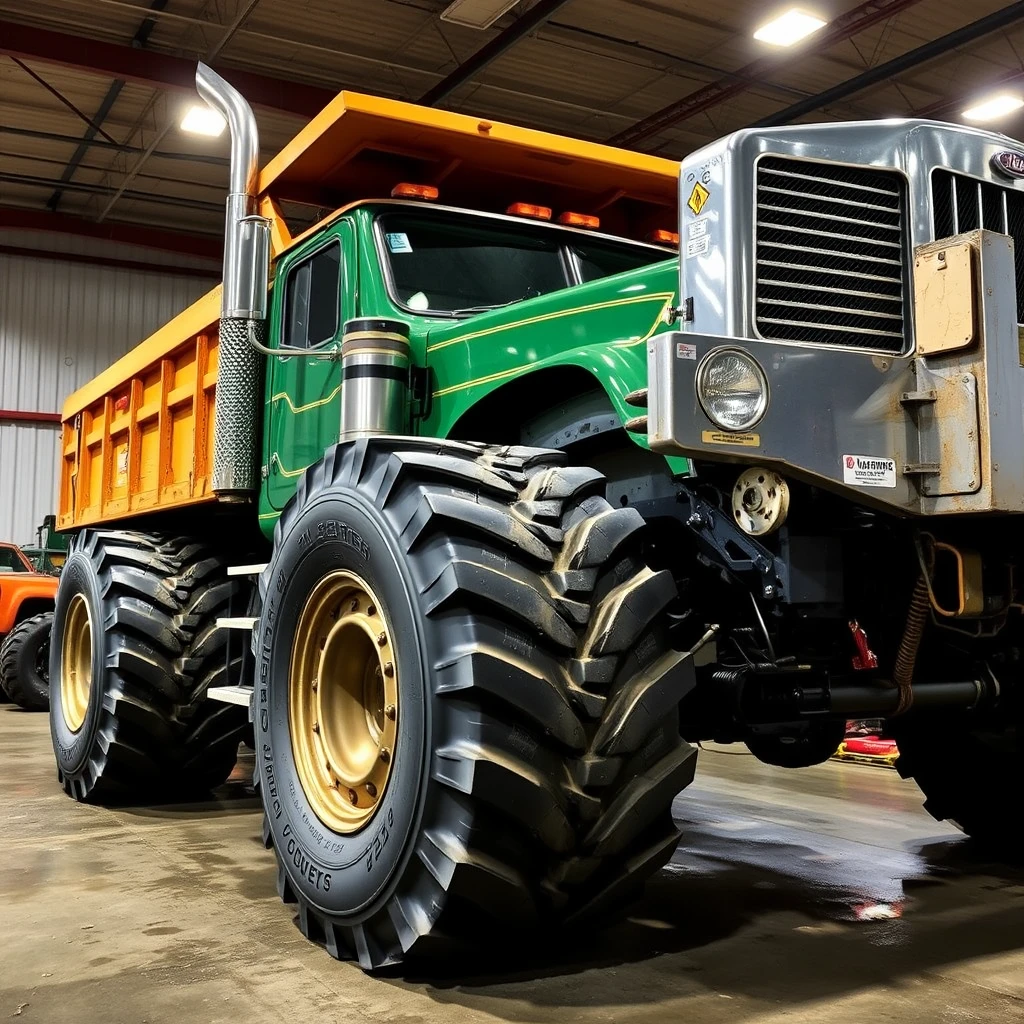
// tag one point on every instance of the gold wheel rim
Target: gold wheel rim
(343, 702)
(76, 663)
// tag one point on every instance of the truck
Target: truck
(50, 549)
(26, 615)
(504, 468)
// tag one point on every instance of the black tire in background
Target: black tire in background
(538, 747)
(147, 732)
(24, 663)
(970, 775)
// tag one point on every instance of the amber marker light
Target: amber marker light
(406, 190)
(529, 210)
(663, 237)
(579, 220)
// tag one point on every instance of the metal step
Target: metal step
(241, 695)
(247, 570)
(237, 622)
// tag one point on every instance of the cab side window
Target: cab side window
(312, 299)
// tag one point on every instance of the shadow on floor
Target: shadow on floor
(757, 932)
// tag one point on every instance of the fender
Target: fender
(16, 589)
(600, 328)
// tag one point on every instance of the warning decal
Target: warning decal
(698, 197)
(721, 437)
(869, 471)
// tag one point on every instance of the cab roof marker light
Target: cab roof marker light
(789, 27)
(407, 190)
(529, 210)
(663, 237)
(994, 107)
(579, 220)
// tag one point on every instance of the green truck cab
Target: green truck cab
(578, 300)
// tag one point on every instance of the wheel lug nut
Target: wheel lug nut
(371, 610)
(382, 639)
(352, 796)
(389, 669)
(354, 606)
(371, 789)
(316, 728)
(391, 711)
(385, 754)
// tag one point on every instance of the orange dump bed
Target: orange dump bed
(139, 437)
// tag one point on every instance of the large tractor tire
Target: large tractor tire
(24, 663)
(466, 702)
(134, 648)
(968, 776)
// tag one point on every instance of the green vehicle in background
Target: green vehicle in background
(51, 548)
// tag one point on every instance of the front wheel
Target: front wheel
(466, 703)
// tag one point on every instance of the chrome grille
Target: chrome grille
(960, 203)
(830, 254)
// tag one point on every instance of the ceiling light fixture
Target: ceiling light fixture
(789, 28)
(994, 107)
(202, 120)
(476, 13)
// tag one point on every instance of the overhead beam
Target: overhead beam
(857, 20)
(207, 247)
(139, 40)
(35, 181)
(971, 33)
(112, 60)
(113, 147)
(504, 40)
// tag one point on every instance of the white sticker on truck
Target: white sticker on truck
(398, 241)
(869, 471)
(698, 246)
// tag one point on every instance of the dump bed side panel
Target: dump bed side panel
(140, 437)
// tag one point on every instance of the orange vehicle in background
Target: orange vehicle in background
(26, 617)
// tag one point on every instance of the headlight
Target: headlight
(732, 389)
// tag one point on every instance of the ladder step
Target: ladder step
(238, 622)
(247, 570)
(230, 694)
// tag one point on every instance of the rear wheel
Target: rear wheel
(466, 703)
(24, 663)
(134, 648)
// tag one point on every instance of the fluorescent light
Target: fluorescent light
(476, 13)
(994, 107)
(789, 28)
(202, 120)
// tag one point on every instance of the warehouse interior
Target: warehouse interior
(805, 894)
(96, 164)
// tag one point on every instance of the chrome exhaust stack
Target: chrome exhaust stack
(243, 310)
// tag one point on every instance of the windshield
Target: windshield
(11, 561)
(458, 264)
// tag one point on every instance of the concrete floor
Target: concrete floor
(169, 916)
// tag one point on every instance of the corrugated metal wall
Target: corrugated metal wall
(60, 324)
